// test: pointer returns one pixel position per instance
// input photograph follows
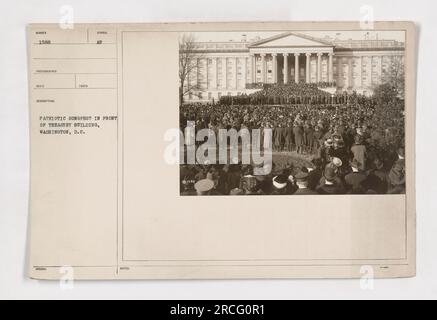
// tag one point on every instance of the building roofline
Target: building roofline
(286, 34)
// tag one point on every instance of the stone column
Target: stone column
(236, 73)
(206, 72)
(263, 68)
(361, 71)
(381, 70)
(339, 72)
(216, 73)
(319, 67)
(252, 68)
(225, 72)
(275, 67)
(296, 67)
(285, 68)
(198, 68)
(350, 74)
(244, 73)
(308, 66)
(330, 68)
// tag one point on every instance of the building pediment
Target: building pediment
(290, 40)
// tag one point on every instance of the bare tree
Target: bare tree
(188, 67)
(392, 86)
(395, 76)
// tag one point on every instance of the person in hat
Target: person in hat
(330, 186)
(324, 152)
(280, 185)
(337, 180)
(359, 152)
(203, 187)
(315, 174)
(339, 151)
(188, 185)
(288, 137)
(278, 135)
(337, 162)
(301, 180)
(397, 174)
(264, 177)
(291, 183)
(355, 181)
(201, 173)
(298, 135)
(233, 176)
(309, 136)
(318, 135)
(377, 179)
(249, 185)
(222, 179)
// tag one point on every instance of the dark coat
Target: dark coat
(298, 135)
(288, 135)
(305, 191)
(330, 189)
(378, 181)
(278, 136)
(314, 178)
(355, 182)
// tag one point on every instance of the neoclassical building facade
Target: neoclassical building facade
(232, 68)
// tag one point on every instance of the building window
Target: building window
(200, 95)
(219, 95)
(209, 95)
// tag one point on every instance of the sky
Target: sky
(342, 35)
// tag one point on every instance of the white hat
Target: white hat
(337, 162)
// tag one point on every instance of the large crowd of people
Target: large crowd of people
(351, 148)
(293, 93)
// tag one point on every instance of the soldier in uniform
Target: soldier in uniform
(298, 135)
(279, 131)
(309, 136)
(288, 136)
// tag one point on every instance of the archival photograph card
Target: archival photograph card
(222, 150)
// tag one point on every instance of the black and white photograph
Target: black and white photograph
(292, 113)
